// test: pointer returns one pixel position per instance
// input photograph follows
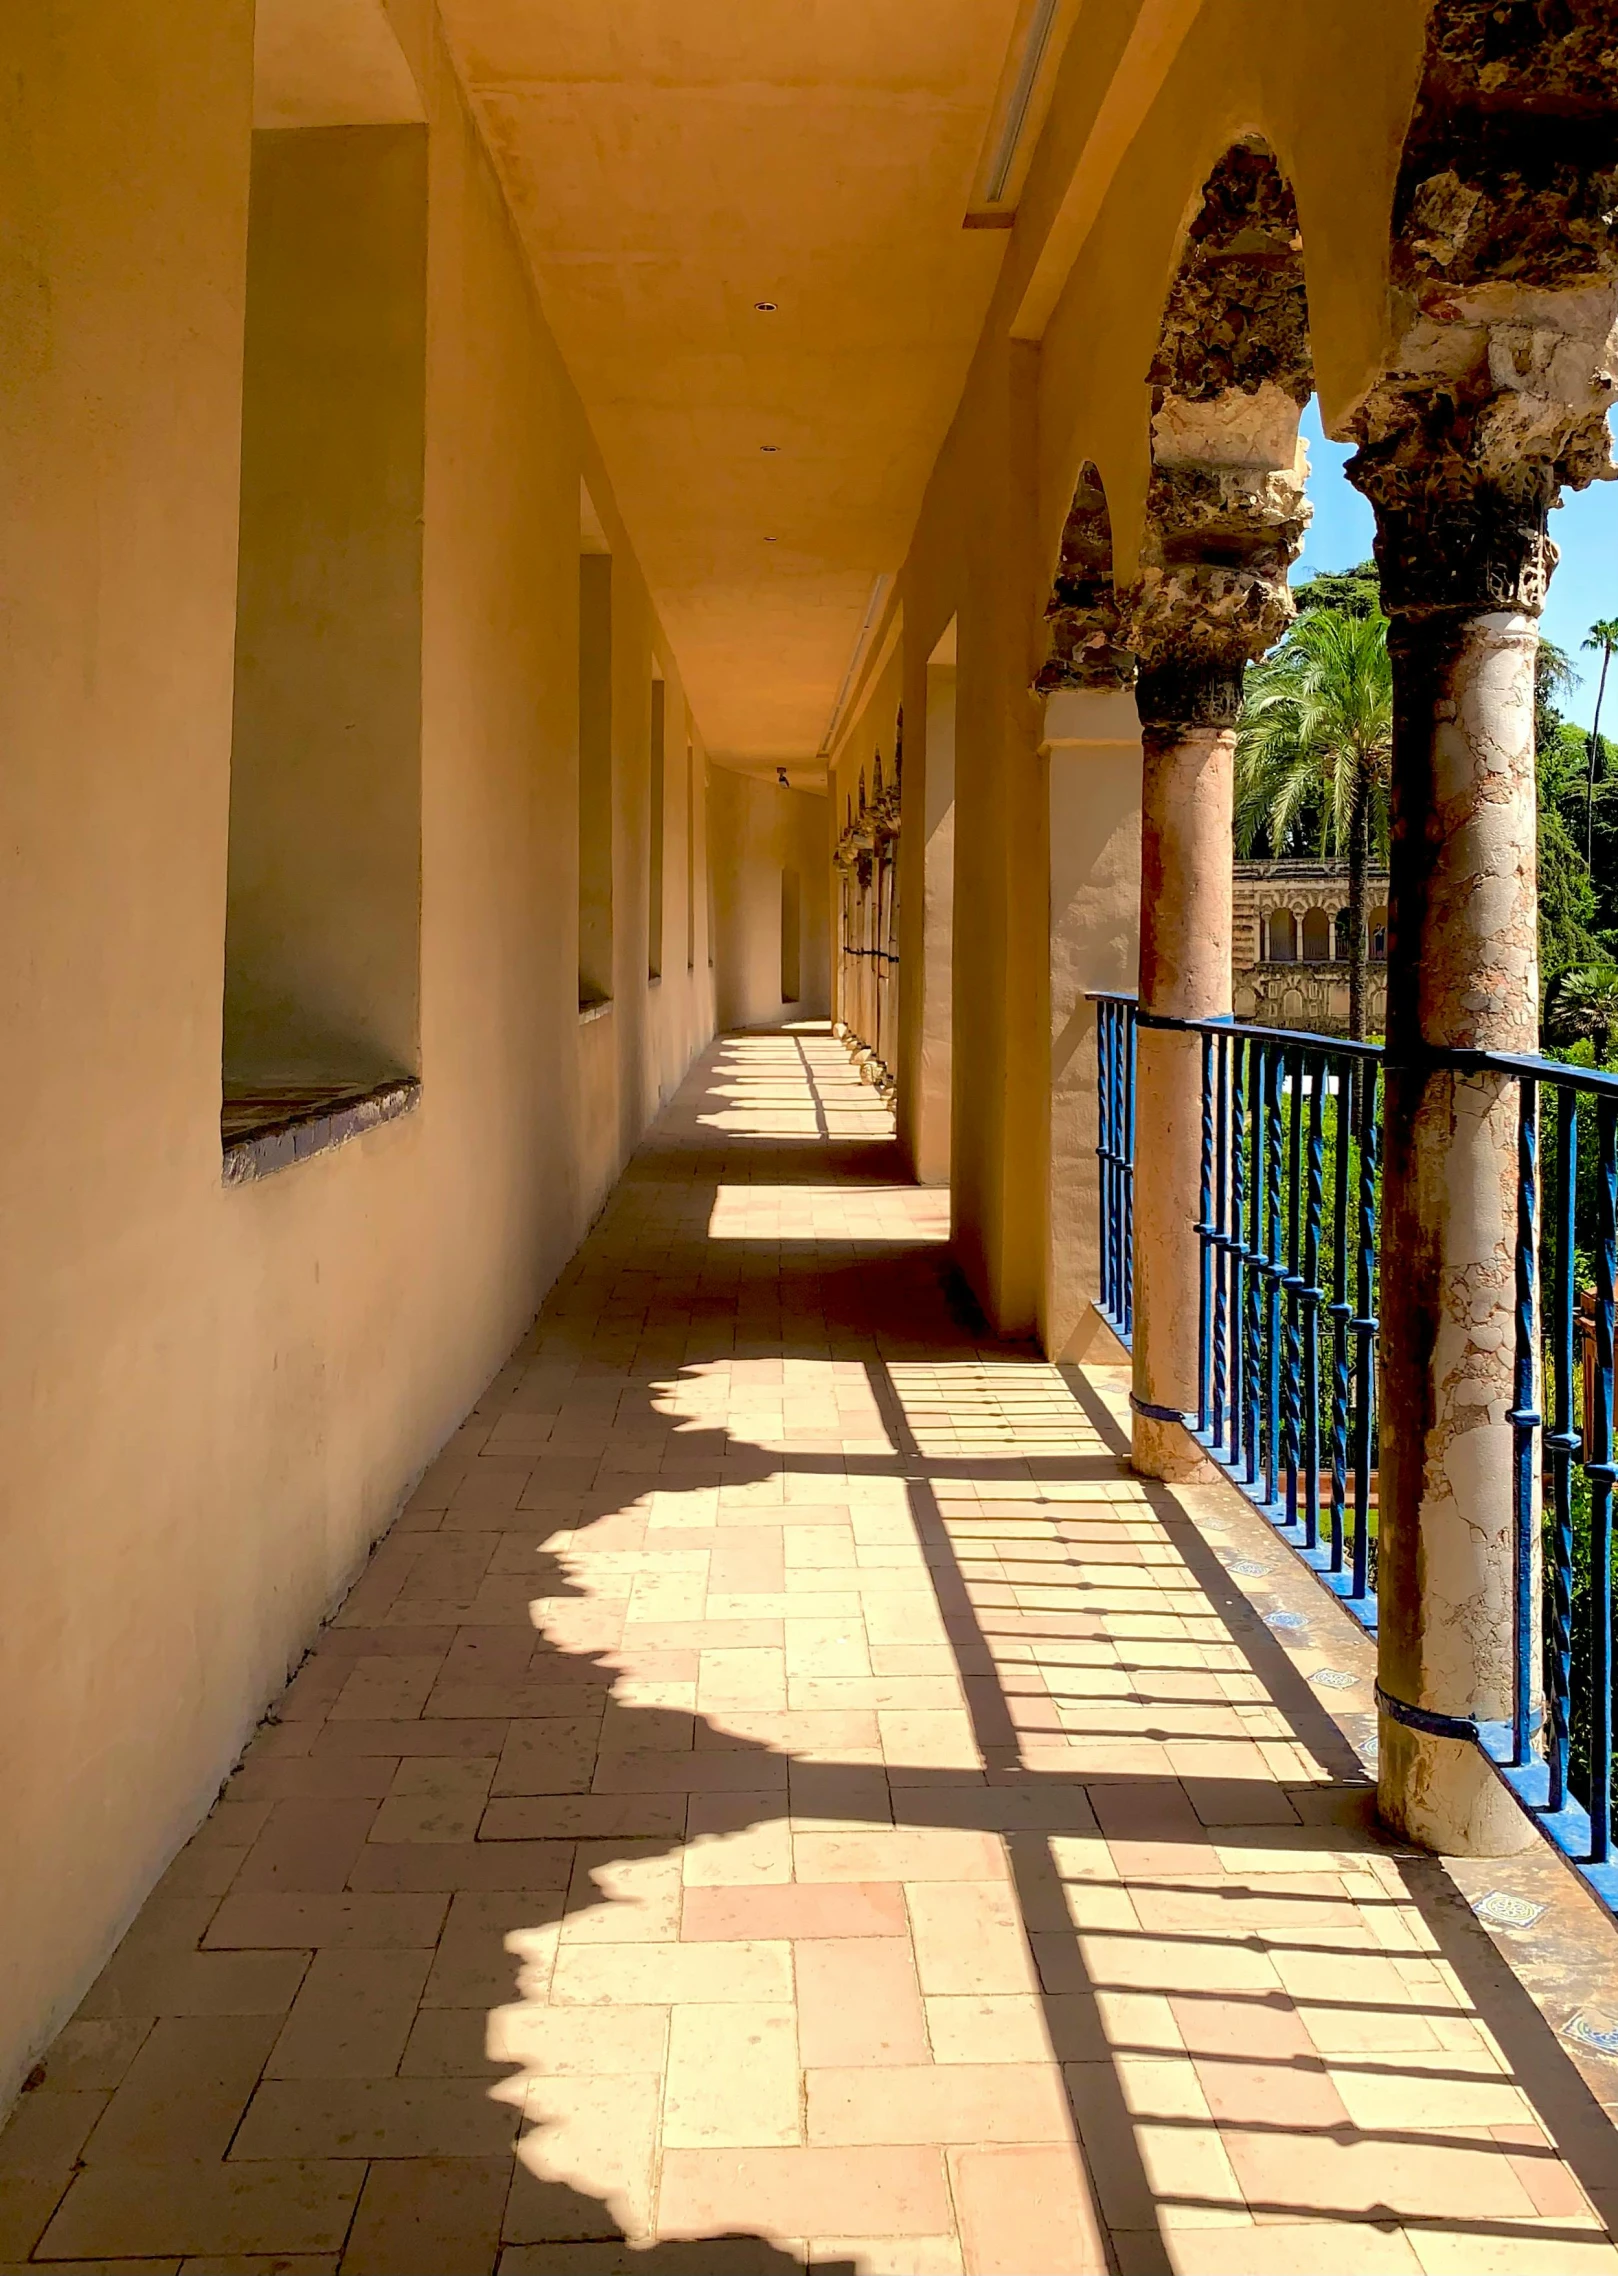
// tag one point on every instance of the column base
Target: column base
(1166, 1450)
(1443, 1795)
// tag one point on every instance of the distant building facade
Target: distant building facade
(1289, 948)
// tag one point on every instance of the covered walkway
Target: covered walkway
(783, 1781)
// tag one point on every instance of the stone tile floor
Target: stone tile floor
(784, 1795)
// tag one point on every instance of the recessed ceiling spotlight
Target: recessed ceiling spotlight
(765, 307)
(769, 541)
(769, 449)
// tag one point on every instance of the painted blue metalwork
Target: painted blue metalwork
(1598, 1468)
(1525, 1420)
(1562, 1442)
(1291, 1125)
(1115, 1155)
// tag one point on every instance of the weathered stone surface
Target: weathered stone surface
(1225, 512)
(1083, 615)
(1505, 282)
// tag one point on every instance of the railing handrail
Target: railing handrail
(1597, 1080)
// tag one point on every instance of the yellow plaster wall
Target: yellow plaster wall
(211, 1400)
(758, 829)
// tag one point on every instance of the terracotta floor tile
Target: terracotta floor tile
(419, 2213)
(944, 2102)
(858, 2004)
(590, 2139)
(1023, 2209)
(276, 1922)
(801, 1909)
(371, 2117)
(662, 1974)
(352, 2017)
(140, 2210)
(968, 1937)
(732, 2078)
(185, 2092)
(997, 2027)
(787, 2191)
(736, 1840)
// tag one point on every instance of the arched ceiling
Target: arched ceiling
(673, 162)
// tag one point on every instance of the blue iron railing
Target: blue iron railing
(1286, 1400)
(1287, 1323)
(1115, 1152)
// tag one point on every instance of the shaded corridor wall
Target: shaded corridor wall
(759, 832)
(212, 1400)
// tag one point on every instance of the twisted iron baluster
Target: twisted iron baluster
(1256, 1086)
(1128, 1176)
(1524, 1418)
(1221, 1236)
(1363, 1326)
(1599, 1469)
(1273, 1271)
(1205, 1236)
(1292, 1286)
(1238, 1247)
(1310, 1298)
(1340, 1311)
(1563, 1442)
(1104, 1148)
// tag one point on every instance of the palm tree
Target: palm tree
(1314, 747)
(1582, 1006)
(1603, 635)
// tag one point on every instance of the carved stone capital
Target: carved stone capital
(1505, 301)
(1212, 593)
(1225, 513)
(1085, 650)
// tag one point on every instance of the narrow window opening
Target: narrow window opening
(690, 859)
(791, 936)
(323, 897)
(595, 763)
(654, 867)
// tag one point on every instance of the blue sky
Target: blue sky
(1585, 528)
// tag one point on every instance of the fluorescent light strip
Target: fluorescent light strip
(873, 608)
(1022, 94)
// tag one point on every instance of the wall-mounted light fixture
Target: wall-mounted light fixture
(873, 609)
(1019, 113)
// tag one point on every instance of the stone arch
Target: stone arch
(1225, 510)
(1283, 937)
(1317, 942)
(1085, 649)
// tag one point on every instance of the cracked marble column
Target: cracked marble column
(1224, 522)
(1503, 273)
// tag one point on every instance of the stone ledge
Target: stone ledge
(264, 1131)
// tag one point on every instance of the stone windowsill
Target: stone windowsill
(597, 1008)
(267, 1130)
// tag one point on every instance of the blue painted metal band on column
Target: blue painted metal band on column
(1161, 1414)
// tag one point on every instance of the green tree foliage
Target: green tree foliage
(1291, 798)
(1313, 753)
(1355, 592)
